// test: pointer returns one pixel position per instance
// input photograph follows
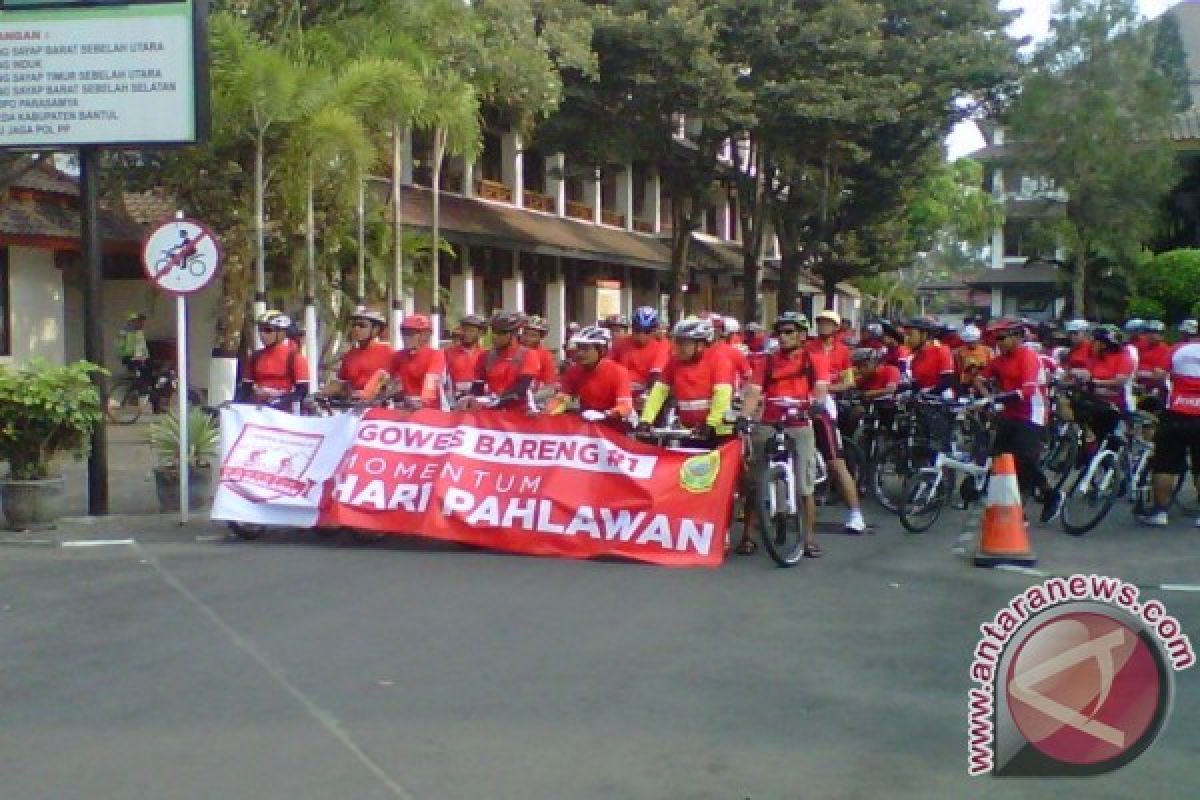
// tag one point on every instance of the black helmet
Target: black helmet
(791, 318)
(926, 324)
(507, 321)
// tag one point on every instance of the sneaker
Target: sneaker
(1051, 506)
(855, 524)
(1156, 518)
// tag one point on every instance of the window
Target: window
(5, 307)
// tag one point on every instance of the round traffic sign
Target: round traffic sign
(181, 256)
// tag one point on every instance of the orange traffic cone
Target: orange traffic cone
(1003, 538)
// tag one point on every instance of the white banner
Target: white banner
(274, 465)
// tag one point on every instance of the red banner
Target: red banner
(554, 486)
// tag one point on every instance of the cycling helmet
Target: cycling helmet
(830, 315)
(536, 323)
(1154, 326)
(645, 319)
(1077, 326)
(732, 325)
(593, 335)
(369, 314)
(791, 318)
(506, 321)
(970, 334)
(416, 323)
(754, 327)
(616, 321)
(1005, 327)
(1189, 327)
(926, 324)
(474, 320)
(1135, 325)
(275, 320)
(862, 354)
(692, 329)
(874, 329)
(1109, 334)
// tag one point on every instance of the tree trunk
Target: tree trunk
(789, 281)
(397, 235)
(829, 284)
(312, 342)
(681, 238)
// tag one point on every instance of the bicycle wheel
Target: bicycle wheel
(124, 405)
(1142, 492)
(1059, 458)
(923, 500)
(1086, 505)
(895, 464)
(1186, 497)
(782, 533)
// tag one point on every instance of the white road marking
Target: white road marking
(97, 542)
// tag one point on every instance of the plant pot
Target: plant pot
(166, 482)
(31, 505)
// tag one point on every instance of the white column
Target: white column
(468, 178)
(556, 307)
(625, 195)
(462, 286)
(406, 157)
(653, 201)
(724, 230)
(512, 290)
(594, 195)
(627, 290)
(997, 301)
(513, 166)
(556, 182)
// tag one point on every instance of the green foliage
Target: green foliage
(1172, 279)
(1144, 308)
(951, 206)
(45, 410)
(203, 437)
(1170, 59)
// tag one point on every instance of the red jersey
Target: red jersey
(836, 353)
(736, 358)
(360, 363)
(642, 360)
(952, 341)
(420, 375)
(547, 369)
(692, 384)
(930, 363)
(1185, 379)
(898, 357)
(1152, 357)
(885, 376)
(1111, 365)
(603, 387)
(500, 369)
(462, 365)
(790, 375)
(1020, 370)
(280, 366)
(1080, 356)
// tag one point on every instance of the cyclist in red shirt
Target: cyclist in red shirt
(829, 438)
(932, 364)
(618, 326)
(366, 358)
(795, 373)
(1020, 385)
(723, 348)
(462, 358)
(643, 354)
(702, 386)
(507, 371)
(277, 373)
(1178, 430)
(1154, 365)
(1079, 342)
(599, 384)
(895, 351)
(874, 379)
(418, 370)
(546, 382)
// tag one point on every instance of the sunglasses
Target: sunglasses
(267, 329)
(361, 323)
(788, 331)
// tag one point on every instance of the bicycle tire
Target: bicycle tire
(782, 534)
(1084, 510)
(921, 507)
(1186, 495)
(1059, 459)
(893, 467)
(128, 406)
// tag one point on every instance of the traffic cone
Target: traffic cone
(1003, 538)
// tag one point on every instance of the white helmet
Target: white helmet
(732, 325)
(970, 334)
(369, 314)
(593, 335)
(1077, 326)
(276, 320)
(830, 315)
(697, 330)
(1034, 345)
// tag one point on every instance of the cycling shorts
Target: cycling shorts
(1177, 435)
(829, 438)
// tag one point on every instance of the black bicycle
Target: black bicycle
(135, 393)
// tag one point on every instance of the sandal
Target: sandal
(746, 547)
(812, 551)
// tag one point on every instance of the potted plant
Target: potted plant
(45, 410)
(203, 436)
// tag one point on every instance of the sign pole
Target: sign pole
(93, 335)
(182, 360)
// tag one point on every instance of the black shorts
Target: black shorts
(829, 438)
(1177, 435)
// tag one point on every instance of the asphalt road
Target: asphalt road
(300, 669)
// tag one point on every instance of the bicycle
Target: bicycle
(917, 415)
(1120, 464)
(779, 520)
(131, 394)
(928, 490)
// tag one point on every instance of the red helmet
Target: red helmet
(1002, 326)
(416, 323)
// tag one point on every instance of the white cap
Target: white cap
(970, 334)
(1077, 326)
(732, 325)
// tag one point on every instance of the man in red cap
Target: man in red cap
(418, 369)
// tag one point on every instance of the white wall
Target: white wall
(36, 296)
